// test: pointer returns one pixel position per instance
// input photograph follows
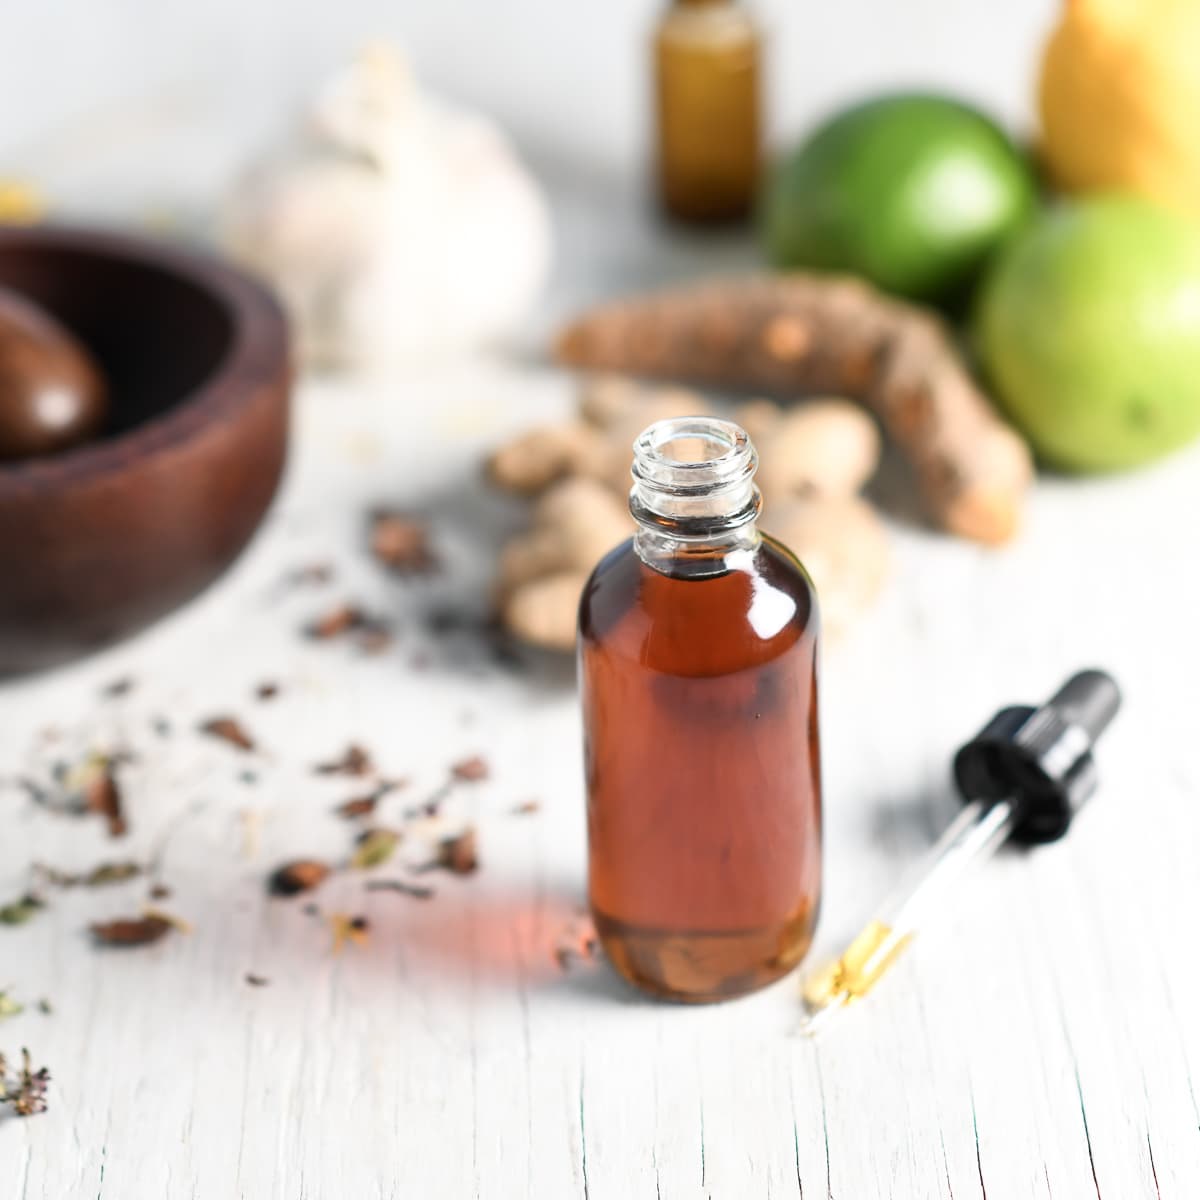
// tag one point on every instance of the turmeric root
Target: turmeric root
(818, 334)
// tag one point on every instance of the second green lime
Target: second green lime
(913, 192)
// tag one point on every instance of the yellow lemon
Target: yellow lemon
(1120, 98)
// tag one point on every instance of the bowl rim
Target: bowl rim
(257, 355)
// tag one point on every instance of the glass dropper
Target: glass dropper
(1022, 778)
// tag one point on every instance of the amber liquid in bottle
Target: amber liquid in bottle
(698, 654)
(707, 56)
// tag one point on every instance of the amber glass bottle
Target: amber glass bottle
(707, 81)
(698, 664)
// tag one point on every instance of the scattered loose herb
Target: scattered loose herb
(160, 891)
(576, 943)
(175, 922)
(295, 877)
(228, 729)
(103, 875)
(417, 891)
(355, 760)
(250, 778)
(433, 805)
(132, 931)
(26, 1093)
(348, 929)
(256, 980)
(336, 621)
(21, 910)
(162, 727)
(310, 575)
(458, 854)
(8, 1006)
(44, 1007)
(118, 688)
(401, 543)
(102, 795)
(373, 633)
(471, 770)
(374, 848)
(359, 806)
(526, 808)
(266, 691)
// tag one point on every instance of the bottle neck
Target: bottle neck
(694, 496)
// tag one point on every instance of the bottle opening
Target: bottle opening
(694, 476)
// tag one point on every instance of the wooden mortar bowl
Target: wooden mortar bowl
(100, 540)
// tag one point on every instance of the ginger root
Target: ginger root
(803, 334)
(843, 546)
(813, 461)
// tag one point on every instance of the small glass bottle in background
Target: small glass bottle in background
(707, 56)
(698, 671)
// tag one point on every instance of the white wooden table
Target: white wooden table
(1040, 1043)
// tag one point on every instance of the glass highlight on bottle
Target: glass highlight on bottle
(698, 664)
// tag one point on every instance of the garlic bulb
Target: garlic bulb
(397, 228)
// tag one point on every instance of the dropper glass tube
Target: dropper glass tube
(975, 834)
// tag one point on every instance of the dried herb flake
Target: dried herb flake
(132, 931)
(295, 877)
(458, 854)
(355, 760)
(471, 770)
(401, 543)
(26, 1093)
(374, 848)
(21, 910)
(348, 929)
(417, 891)
(230, 730)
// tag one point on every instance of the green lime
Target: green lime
(1089, 329)
(913, 192)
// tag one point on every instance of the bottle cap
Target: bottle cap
(1041, 758)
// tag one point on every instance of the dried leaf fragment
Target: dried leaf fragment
(299, 876)
(102, 875)
(9, 1007)
(102, 795)
(311, 574)
(267, 690)
(21, 910)
(27, 1093)
(575, 943)
(374, 848)
(458, 854)
(526, 808)
(348, 929)
(355, 760)
(228, 729)
(358, 806)
(118, 688)
(336, 621)
(401, 543)
(256, 980)
(471, 770)
(132, 931)
(417, 891)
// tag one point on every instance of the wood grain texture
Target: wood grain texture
(1042, 1042)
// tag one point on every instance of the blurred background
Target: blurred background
(95, 99)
